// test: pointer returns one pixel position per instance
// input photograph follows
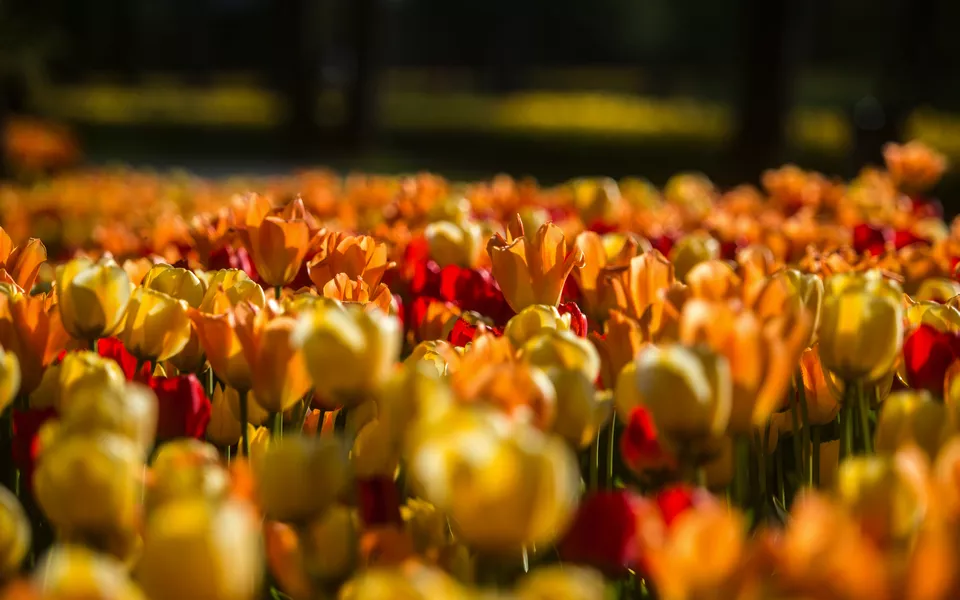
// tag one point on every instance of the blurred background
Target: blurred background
(549, 88)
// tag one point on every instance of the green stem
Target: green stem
(761, 470)
(611, 440)
(798, 452)
(244, 435)
(741, 472)
(804, 422)
(815, 470)
(277, 291)
(781, 486)
(846, 422)
(863, 407)
(93, 345)
(228, 455)
(595, 464)
(211, 382)
(278, 425)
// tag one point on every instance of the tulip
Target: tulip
(187, 469)
(137, 269)
(227, 288)
(640, 444)
(914, 166)
(441, 355)
(552, 348)
(9, 378)
(184, 407)
(532, 270)
(156, 326)
(73, 572)
(686, 390)
(793, 285)
(329, 544)
(713, 280)
(517, 389)
(637, 288)
(530, 481)
(580, 411)
(532, 320)
(256, 414)
(412, 398)
(30, 328)
(224, 429)
(92, 297)
(218, 338)
(458, 243)
(193, 549)
(346, 290)
(428, 319)
(621, 341)
(79, 372)
(90, 484)
(561, 583)
(178, 283)
(861, 327)
(888, 495)
(597, 262)
(20, 264)
(129, 410)
(937, 289)
(692, 250)
(14, 534)
(298, 478)
(911, 418)
(278, 372)
(356, 256)
(415, 581)
(277, 242)
(823, 404)
(604, 532)
(349, 351)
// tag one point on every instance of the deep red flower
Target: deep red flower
(578, 321)
(114, 349)
(603, 532)
(183, 407)
(677, 499)
(640, 444)
(927, 354)
(602, 227)
(905, 237)
(926, 207)
(26, 443)
(228, 257)
(870, 239)
(464, 332)
(379, 501)
(426, 279)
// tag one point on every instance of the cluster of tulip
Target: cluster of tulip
(412, 388)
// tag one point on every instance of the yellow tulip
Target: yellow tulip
(887, 494)
(553, 348)
(277, 369)
(471, 464)
(92, 297)
(180, 283)
(861, 327)
(299, 477)
(414, 396)
(228, 288)
(567, 582)
(349, 352)
(415, 582)
(9, 378)
(70, 572)
(458, 243)
(809, 289)
(519, 390)
(532, 269)
(691, 250)
(687, 390)
(580, 411)
(441, 355)
(156, 326)
(330, 544)
(128, 410)
(186, 469)
(260, 439)
(278, 243)
(81, 372)
(912, 418)
(90, 484)
(532, 320)
(937, 289)
(193, 549)
(14, 533)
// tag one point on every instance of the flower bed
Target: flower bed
(406, 387)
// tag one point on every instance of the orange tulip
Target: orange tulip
(636, 289)
(21, 264)
(823, 404)
(532, 270)
(344, 289)
(277, 243)
(218, 338)
(277, 369)
(622, 339)
(914, 166)
(356, 256)
(713, 280)
(591, 276)
(30, 327)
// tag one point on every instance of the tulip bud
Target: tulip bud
(92, 297)
(76, 573)
(224, 428)
(563, 349)
(562, 583)
(330, 544)
(348, 352)
(14, 534)
(186, 469)
(458, 244)
(911, 417)
(85, 371)
(691, 250)
(156, 326)
(227, 288)
(179, 283)
(129, 411)
(9, 378)
(532, 320)
(91, 484)
(298, 478)
(194, 549)
(579, 411)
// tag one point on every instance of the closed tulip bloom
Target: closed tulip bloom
(156, 326)
(349, 351)
(277, 242)
(552, 348)
(224, 428)
(580, 410)
(823, 403)
(30, 328)
(519, 390)
(21, 263)
(298, 478)
(278, 371)
(187, 469)
(90, 484)
(532, 268)
(622, 339)
(809, 289)
(912, 418)
(218, 338)
(470, 465)
(92, 297)
(532, 320)
(9, 378)
(129, 410)
(356, 256)
(180, 283)
(195, 549)
(69, 572)
(14, 533)
(227, 288)
(458, 243)
(713, 280)
(562, 583)
(687, 391)
(330, 544)
(861, 327)
(692, 250)
(84, 371)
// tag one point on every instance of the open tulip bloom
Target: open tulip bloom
(401, 387)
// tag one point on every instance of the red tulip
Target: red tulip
(604, 531)
(927, 354)
(26, 444)
(578, 321)
(869, 239)
(379, 501)
(183, 407)
(676, 500)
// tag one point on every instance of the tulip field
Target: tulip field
(367, 387)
